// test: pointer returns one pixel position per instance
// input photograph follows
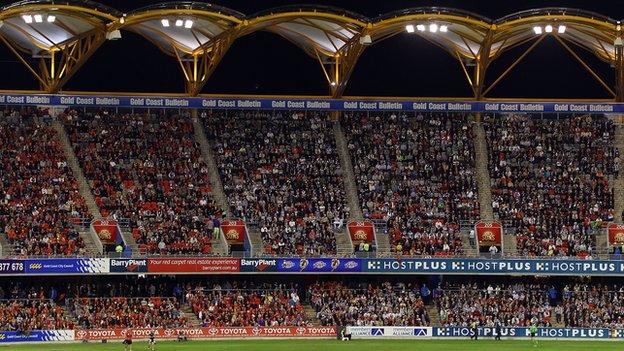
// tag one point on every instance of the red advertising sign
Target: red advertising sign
(234, 231)
(489, 233)
(106, 230)
(210, 332)
(193, 265)
(616, 234)
(361, 231)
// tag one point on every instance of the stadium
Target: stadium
(193, 176)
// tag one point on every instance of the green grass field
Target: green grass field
(334, 345)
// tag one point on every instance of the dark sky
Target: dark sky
(263, 63)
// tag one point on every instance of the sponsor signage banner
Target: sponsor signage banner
(389, 332)
(361, 231)
(518, 332)
(11, 266)
(234, 231)
(489, 233)
(306, 104)
(494, 266)
(343, 265)
(193, 265)
(128, 265)
(37, 336)
(67, 265)
(258, 265)
(106, 230)
(209, 332)
(616, 234)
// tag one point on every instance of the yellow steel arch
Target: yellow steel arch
(335, 37)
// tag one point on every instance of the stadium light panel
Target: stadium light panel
(409, 28)
(188, 24)
(443, 28)
(179, 23)
(421, 27)
(164, 22)
(27, 18)
(433, 27)
(51, 18)
(548, 28)
(537, 30)
(38, 18)
(333, 84)
(561, 29)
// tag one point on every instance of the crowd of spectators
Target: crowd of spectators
(281, 173)
(26, 315)
(148, 169)
(592, 306)
(389, 304)
(551, 179)
(416, 173)
(123, 312)
(227, 306)
(511, 305)
(39, 198)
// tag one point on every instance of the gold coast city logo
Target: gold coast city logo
(359, 235)
(619, 237)
(105, 234)
(488, 236)
(231, 234)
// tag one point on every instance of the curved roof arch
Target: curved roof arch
(198, 34)
(464, 34)
(182, 28)
(316, 29)
(39, 26)
(588, 30)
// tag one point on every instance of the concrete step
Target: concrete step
(510, 245)
(6, 248)
(434, 317)
(72, 161)
(482, 172)
(347, 171)
(187, 312)
(218, 194)
(310, 314)
(382, 242)
(344, 244)
(255, 238)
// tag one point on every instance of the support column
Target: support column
(338, 68)
(57, 65)
(199, 66)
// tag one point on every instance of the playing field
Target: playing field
(334, 345)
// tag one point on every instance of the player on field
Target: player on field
(151, 342)
(533, 332)
(128, 340)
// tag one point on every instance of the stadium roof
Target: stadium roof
(63, 34)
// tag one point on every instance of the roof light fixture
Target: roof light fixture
(421, 27)
(561, 29)
(38, 18)
(409, 28)
(433, 27)
(179, 23)
(443, 28)
(537, 30)
(548, 28)
(164, 22)
(27, 18)
(188, 24)
(51, 18)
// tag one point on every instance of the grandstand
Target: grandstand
(301, 219)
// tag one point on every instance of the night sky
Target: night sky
(405, 65)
